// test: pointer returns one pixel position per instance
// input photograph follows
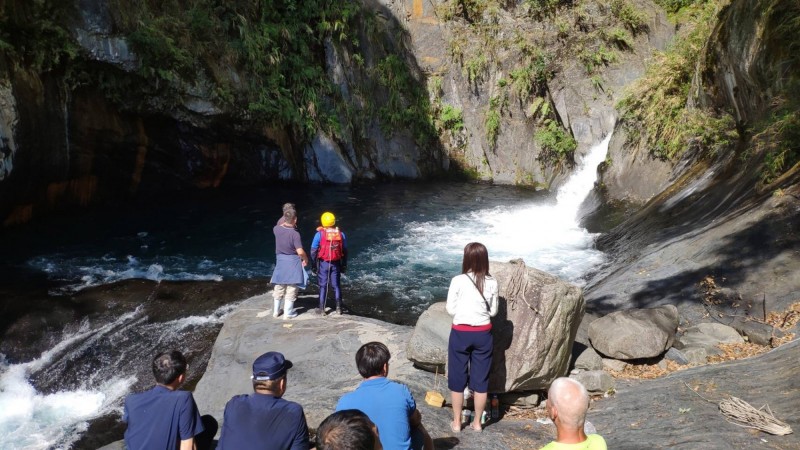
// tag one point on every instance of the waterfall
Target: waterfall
(546, 235)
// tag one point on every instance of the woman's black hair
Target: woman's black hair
(476, 260)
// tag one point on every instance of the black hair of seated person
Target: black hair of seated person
(349, 429)
(168, 366)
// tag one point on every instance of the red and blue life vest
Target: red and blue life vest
(330, 244)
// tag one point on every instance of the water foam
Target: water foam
(33, 420)
(416, 264)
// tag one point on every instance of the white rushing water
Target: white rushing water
(546, 236)
(31, 420)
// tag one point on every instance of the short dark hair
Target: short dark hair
(348, 429)
(168, 366)
(268, 385)
(289, 215)
(370, 359)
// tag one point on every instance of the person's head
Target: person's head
(372, 359)
(270, 372)
(290, 216)
(327, 219)
(349, 429)
(168, 367)
(476, 259)
(288, 206)
(567, 401)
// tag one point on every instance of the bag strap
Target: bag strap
(488, 308)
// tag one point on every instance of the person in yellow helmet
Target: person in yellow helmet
(329, 257)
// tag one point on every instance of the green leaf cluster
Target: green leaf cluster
(451, 118)
(543, 8)
(558, 146)
(492, 120)
(635, 20)
(593, 59)
(779, 142)
(32, 34)
(532, 78)
(408, 104)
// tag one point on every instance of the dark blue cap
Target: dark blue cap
(270, 366)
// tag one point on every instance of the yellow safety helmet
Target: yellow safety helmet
(328, 219)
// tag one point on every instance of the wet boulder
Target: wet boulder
(533, 331)
(635, 333)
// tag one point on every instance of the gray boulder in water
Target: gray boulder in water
(533, 332)
(635, 333)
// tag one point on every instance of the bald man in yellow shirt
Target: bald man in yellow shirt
(567, 402)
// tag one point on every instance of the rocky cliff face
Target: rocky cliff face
(712, 217)
(111, 102)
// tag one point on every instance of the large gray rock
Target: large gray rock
(595, 381)
(757, 332)
(425, 347)
(709, 335)
(695, 355)
(323, 352)
(589, 360)
(635, 333)
(533, 332)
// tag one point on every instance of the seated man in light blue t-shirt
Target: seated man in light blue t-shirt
(567, 402)
(388, 404)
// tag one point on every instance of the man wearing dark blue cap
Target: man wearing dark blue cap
(263, 420)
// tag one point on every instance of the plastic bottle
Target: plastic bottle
(495, 402)
(465, 416)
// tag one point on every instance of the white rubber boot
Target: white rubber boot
(276, 307)
(288, 312)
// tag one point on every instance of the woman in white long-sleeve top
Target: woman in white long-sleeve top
(472, 301)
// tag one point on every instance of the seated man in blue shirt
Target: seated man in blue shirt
(388, 404)
(164, 417)
(263, 420)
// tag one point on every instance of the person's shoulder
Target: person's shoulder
(291, 406)
(184, 397)
(398, 385)
(238, 399)
(595, 442)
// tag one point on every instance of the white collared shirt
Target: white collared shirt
(465, 303)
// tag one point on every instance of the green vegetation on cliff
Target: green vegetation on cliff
(262, 62)
(656, 111)
(516, 68)
(33, 35)
(655, 107)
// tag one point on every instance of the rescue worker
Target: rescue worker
(329, 257)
